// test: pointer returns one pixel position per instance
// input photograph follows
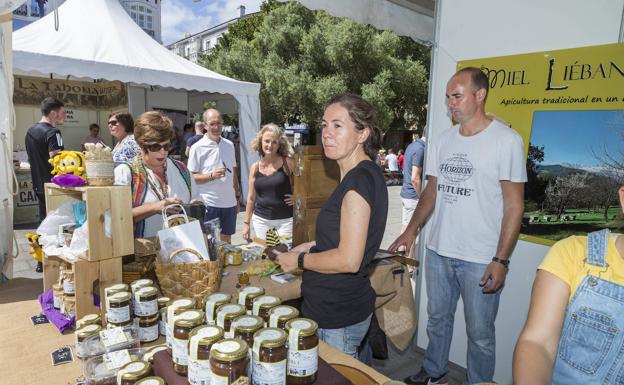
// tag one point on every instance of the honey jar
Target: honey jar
(245, 326)
(148, 328)
(69, 288)
(229, 362)
(57, 292)
(212, 302)
(269, 356)
(233, 256)
(279, 315)
(184, 323)
(68, 306)
(116, 288)
(133, 371)
(82, 334)
(145, 301)
(201, 340)
(262, 305)
(247, 294)
(302, 351)
(151, 380)
(149, 355)
(118, 308)
(176, 307)
(226, 314)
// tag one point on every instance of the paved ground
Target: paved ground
(398, 366)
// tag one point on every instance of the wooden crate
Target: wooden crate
(316, 178)
(90, 277)
(99, 200)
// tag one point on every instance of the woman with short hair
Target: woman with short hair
(156, 180)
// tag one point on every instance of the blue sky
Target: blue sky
(181, 16)
(569, 136)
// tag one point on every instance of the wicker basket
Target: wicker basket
(142, 267)
(188, 279)
(100, 172)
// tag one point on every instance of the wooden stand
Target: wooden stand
(101, 266)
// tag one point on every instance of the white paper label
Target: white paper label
(210, 306)
(179, 349)
(118, 314)
(145, 308)
(259, 301)
(199, 372)
(113, 336)
(242, 295)
(218, 380)
(302, 362)
(162, 326)
(68, 287)
(116, 360)
(148, 334)
(57, 301)
(276, 314)
(268, 373)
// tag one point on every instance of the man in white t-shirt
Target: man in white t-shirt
(213, 164)
(392, 161)
(476, 172)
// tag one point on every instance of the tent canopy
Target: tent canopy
(97, 39)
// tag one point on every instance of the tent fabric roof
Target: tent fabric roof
(97, 39)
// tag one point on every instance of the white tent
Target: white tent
(97, 39)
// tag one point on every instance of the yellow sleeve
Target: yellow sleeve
(565, 259)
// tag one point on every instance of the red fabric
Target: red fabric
(401, 159)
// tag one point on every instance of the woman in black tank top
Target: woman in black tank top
(269, 199)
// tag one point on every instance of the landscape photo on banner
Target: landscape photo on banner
(568, 106)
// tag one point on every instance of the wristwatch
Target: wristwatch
(504, 262)
(300, 260)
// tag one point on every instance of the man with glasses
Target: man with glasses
(43, 141)
(212, 162)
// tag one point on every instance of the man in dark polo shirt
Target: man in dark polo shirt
(43, 141)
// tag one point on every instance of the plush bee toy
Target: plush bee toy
(69, 168)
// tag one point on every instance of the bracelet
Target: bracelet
(504, 262)
(300, 260)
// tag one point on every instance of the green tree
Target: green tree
(303, 57)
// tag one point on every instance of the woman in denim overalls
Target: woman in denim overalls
(580, 342)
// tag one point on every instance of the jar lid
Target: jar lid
(151, 380)
(120, 296)
(117, 287)
(229, 350)
(149, 355)
(231, 310)
(134, 370)
(88, 320)
(271, 337)
(148, 318)
(306, 326)
(209, 334)
(147, 291)
(57, 287)
(252, 290)
(87, 331)
(183, 303)
(247, 323)
(189, 318)
(265, 301)
(284, 311)
(163, 301)
(141, 283)
(218, 297)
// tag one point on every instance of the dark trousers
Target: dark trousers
(42, 206)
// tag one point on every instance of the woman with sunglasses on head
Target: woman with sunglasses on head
(156, 180)
(121, 127)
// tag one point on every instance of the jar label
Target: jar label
(169, 322)
(199, 372)
(265, 373)
(218, 380)
(116, 360)
(302, 363)
(149, 333)
(113, 336)
(80, 349)
(57, 302)
(145, 308)
(68, 287)
(244, 321)
(210, 305)
(242, 295)
(162, 328)
(118, 314)
(261, 301)
(179, 348)
(276, 313)
(227, 346)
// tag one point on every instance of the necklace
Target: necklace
(161, 189)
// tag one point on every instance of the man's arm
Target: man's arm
(417, 179)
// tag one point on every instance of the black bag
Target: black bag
(376, 339)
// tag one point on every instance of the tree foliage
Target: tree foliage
(303, 57)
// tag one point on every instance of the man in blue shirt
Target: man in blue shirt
(412, 180)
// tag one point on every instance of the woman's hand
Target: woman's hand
(305, 247)
(196, 202)
(246, 232)
(160, 205)
(288, 261)
(288, 199)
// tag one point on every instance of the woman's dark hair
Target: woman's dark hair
(363, 115)
(125, 119)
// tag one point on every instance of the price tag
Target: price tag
(116, 360)
(113, 336)
(39, 319)
(62, 356)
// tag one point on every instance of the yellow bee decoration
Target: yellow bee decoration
(68, 162)
(35, 247)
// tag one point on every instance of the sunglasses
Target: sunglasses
(112, 123)
(155, 147)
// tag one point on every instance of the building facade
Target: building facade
(191, 47)
(146, 13)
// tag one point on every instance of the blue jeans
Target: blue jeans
(447, 279)
(346, 339)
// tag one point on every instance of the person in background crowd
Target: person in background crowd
(336, 288)
(200, 130)
(383, 163)
(212, 162)
(156, 180)
(94, 135)
(400, 160)
(412, 183)
(188, 131)
(43, 141)
(476, 196)
(392, 164)
(121, 126)
(269, 194)
(573, 333)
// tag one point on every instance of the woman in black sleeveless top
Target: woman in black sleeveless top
(270, 193)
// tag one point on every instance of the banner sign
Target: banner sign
(568, 106)
(102, 95)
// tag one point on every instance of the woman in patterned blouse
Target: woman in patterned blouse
(121, 126)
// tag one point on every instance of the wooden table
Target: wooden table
(25, 350)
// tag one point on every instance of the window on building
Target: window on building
(206, 44)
